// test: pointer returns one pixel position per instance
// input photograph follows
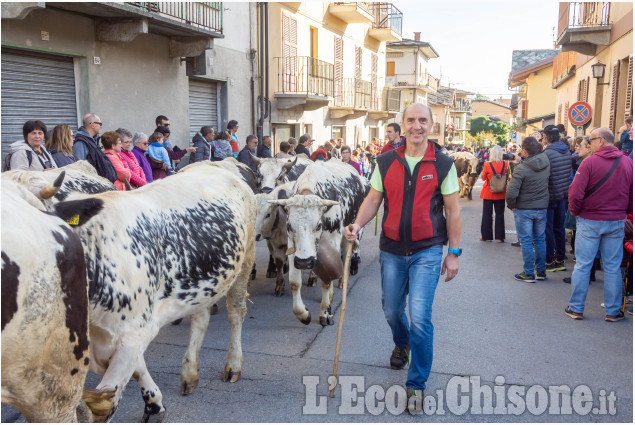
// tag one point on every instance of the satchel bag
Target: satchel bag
(498, 182)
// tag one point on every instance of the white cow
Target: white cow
(45, 340)
(325, 198)
(164, 251)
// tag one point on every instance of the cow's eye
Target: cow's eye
(289, 228)
(268, 215)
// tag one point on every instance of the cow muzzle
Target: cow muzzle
(266, 190)
(258, 237)
(304, 263)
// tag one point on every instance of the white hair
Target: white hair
(138, 136)
(496, 154)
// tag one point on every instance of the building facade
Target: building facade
(327, 70)
(531, 73)
(493, 110)
(128, 63)
(596, 34)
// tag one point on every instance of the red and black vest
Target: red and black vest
(413, 204)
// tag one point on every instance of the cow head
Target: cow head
(266, 215)
(273, 172)
(304, 225)
(35, 183)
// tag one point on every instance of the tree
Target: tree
(498, 129)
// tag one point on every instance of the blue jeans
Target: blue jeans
(414, 278)
(608, 236)
(554, 232)
(530, 226)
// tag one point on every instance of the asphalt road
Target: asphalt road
(487, 325)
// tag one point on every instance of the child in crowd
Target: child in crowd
(158, 153)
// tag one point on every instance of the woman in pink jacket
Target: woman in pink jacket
(111, 141)
(137, 176)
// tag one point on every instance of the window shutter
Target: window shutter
(358, 63)
(628, 108)
(580, 85)
(585, 95)
(559, 117)
(339, 71)
(614, 93)
(390, 68)
(373, 81)
(524, 110)
(566, 116)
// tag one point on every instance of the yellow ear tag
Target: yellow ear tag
(74, 220)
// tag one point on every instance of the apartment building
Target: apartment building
(128, 62)
(327, 72)
(596, 62)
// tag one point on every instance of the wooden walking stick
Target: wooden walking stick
(347, 263)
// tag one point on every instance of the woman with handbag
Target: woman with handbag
(495, 175)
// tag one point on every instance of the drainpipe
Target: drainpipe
(252, 58)
(261, 50)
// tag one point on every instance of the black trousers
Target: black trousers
(486, 222)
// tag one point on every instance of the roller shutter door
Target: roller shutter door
(203, 105)
(36, 87)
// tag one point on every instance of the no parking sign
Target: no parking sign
(536, 135)
(580, 113)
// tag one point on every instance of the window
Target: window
(390, 68)
(338, 132)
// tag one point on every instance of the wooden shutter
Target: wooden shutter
(289, 53)
(580, 86)
(524, 110)
(585, 94)
(390, 68)
(559, 117)
(566, 116)
(628, 108)
(358, 63)
(614, 93)
(339, 71)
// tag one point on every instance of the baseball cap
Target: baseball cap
(551, 130)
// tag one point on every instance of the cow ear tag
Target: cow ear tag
(74, 220)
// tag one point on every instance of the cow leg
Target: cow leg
(150, 392)
(236, 311)
(190, 364)
(271, 268)
(279, 291)
(295, 282)
(326, 317)
(312, 281)
(253, 272)
(469, 194)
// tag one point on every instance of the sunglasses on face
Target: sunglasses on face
(98, 123)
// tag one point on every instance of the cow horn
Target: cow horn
(51, 190)
(328, 203)
(290, 164)
(281, 202)
(255, 158)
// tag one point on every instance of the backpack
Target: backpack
(498, 182)
(7, 160)
(98, 159)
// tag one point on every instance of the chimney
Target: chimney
(417, 36)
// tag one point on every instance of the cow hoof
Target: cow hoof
(330, 320)
(272, 274)
(285, 269)
(323, 321)
(253, 274)
(231, 376)
(311, 282)
(354, 271)
(340, 284)
(149, 417)
(188, 387)
(308, 318)
(279, 291)
(177, 322)
(213, 310)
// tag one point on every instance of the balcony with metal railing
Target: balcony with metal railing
(303, 80)
(387, 22)
(462, 105)
(204, 15)
(582, 26)
(426, 82)
(352, 12)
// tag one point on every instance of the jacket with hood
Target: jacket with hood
(529, 187)
(143, 163)
(204, 151)
(137, 175)
(20, 158)
(86, 147)
(614, 199)
(560, 175)
(123, 172)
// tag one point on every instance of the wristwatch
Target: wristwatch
(455, 251)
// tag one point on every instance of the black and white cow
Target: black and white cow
(467, 170)
(164, 251)
(325, 198)
(276, 171)
(45, 339)
(271, 224)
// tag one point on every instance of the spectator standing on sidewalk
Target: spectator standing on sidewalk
(600, 216)
(111, 140)
(302, 148)
(137, 175)
(559, 178)
(264, 150)
(140, 142)
(232, 127)
(393, 132)
(60, 145)
(85, 147)
(245, 154)
(528, 197)
(202, 141)
(493, 201)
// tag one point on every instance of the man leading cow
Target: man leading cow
(414, 231)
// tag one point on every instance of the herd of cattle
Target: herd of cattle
(91, 274)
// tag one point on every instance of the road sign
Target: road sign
(580, 113)
(536, 135)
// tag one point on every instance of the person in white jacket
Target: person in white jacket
(30, 154)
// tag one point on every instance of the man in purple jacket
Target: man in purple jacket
(140, 141)
(600, 197)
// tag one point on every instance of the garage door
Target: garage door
(35, 87)
(203, 105)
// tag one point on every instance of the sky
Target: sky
(475, 39)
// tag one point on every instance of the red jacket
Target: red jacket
(137, 176)
(123, 172)
(614, 199)
(413, 203)
(389, 146)
(487, 174)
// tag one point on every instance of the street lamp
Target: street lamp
(598, 73)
